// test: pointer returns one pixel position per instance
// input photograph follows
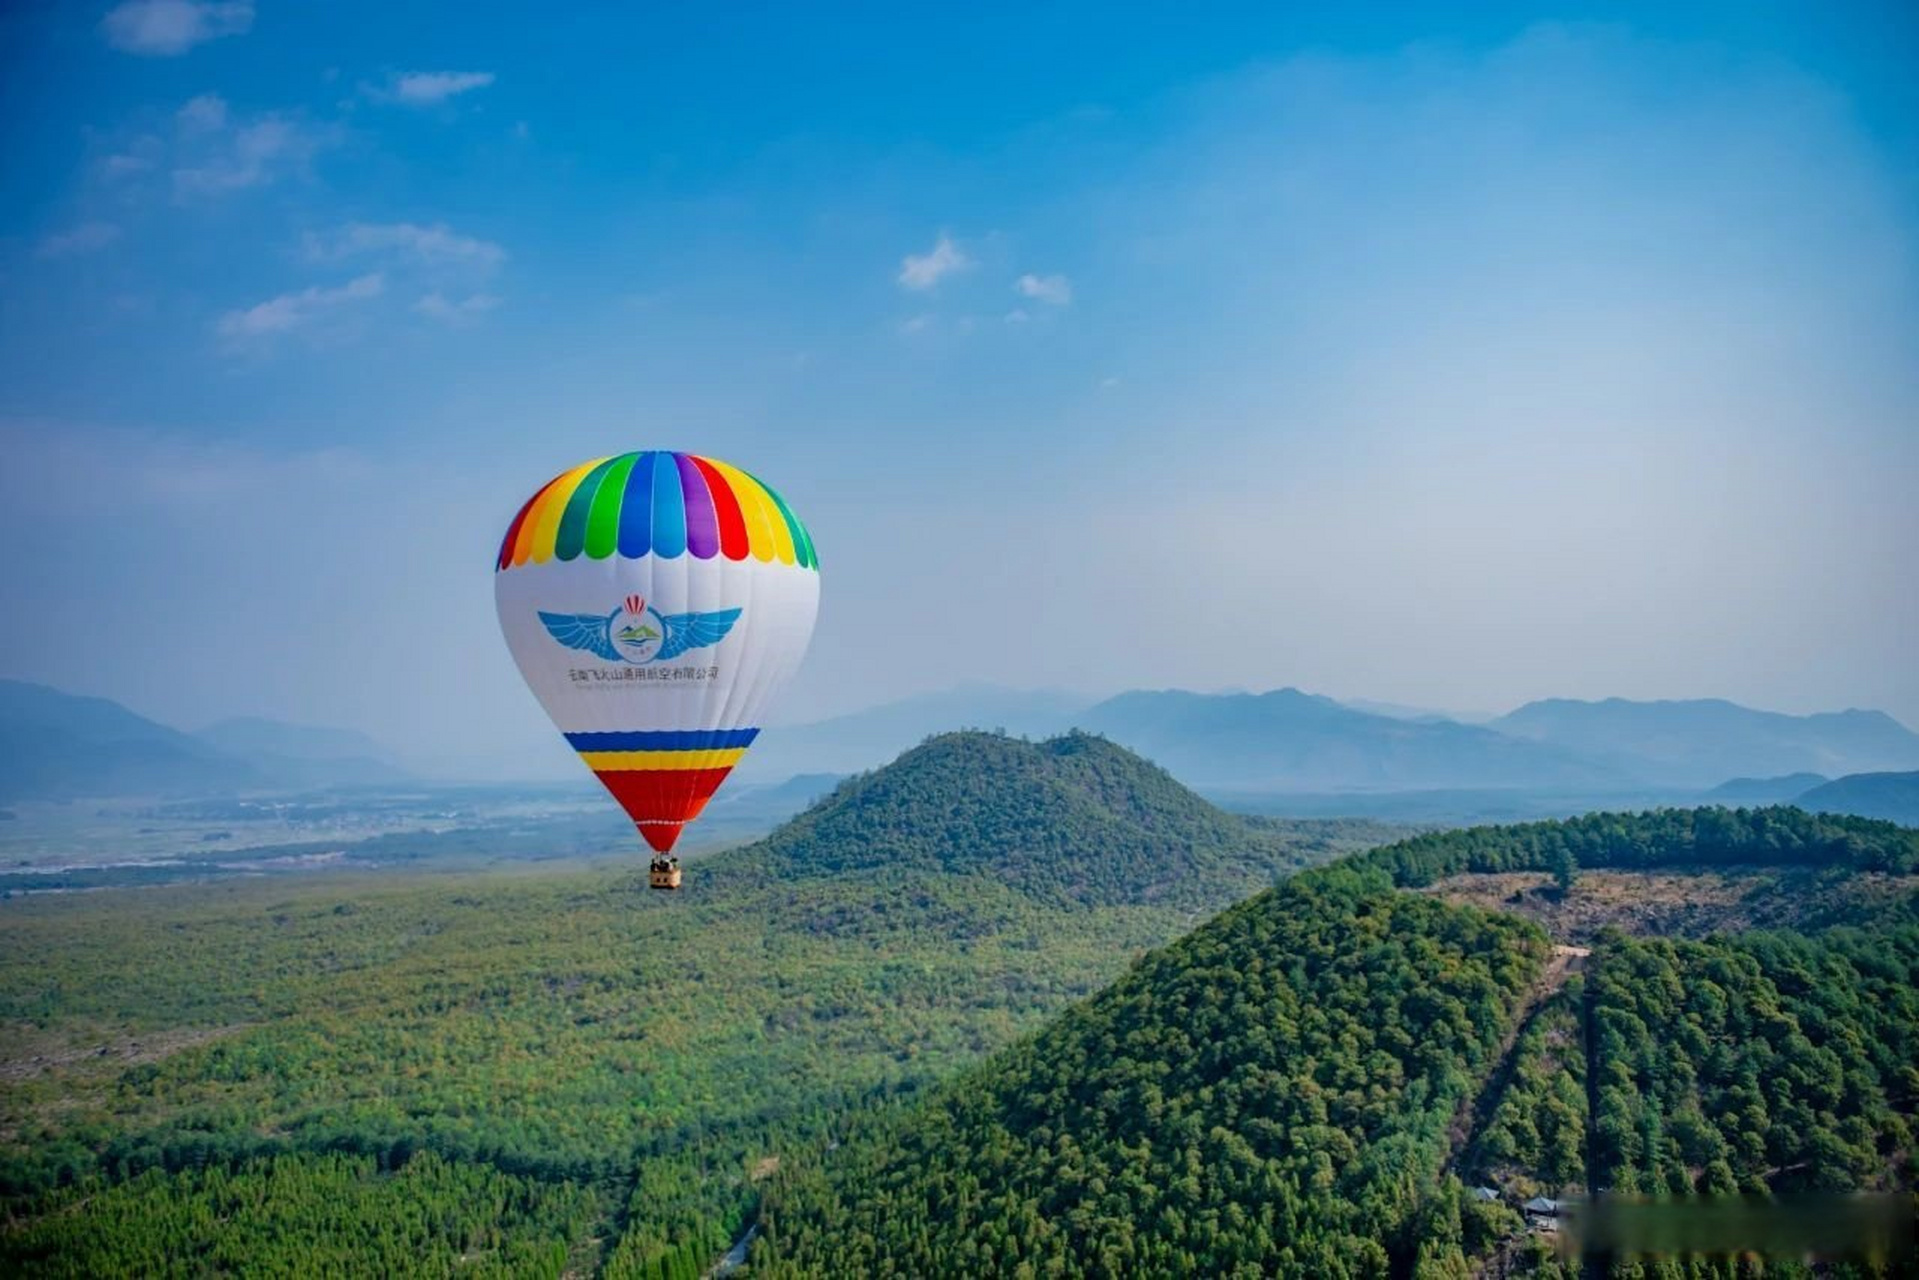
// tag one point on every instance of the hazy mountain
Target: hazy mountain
(1292, 741)
(58, 746)
(792, 796)
(1400, 711)
(302, 756)
(61, 746)
(244, 734)
(1701, 742)
(1552, 757)
(1074, 819)
(1892, 796)
(867, 739)
(1751, 791)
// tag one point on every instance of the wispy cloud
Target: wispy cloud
(437, 306)
(203, 114)
(922, 271)
(1054, 291)
(135, 160)
(291, 310)
(437, 244)
(430, 88)
(216, 152)
(83, 238)
(169, 28)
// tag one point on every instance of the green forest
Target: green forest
(968, 1015)
(1267, 1095)
(1271, 1094)
(570, 1028)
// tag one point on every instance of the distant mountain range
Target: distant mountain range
(868, 739)
(57, 746)
(1552, 756)
(1892, 796)
(1751, 791)
(60, 746)
(303, 755)
(1283, 752)
(1292, 741)
(1703, 742)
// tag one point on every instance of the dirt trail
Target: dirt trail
(1476, 1108)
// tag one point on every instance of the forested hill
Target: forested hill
(1302, 1086)
(1692, 838)
(1266, 1096)
(1075, 819)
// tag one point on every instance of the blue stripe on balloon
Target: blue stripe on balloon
(636, 508)
(663, 740)
(669, 509)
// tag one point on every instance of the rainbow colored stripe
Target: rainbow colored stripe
(656, 503)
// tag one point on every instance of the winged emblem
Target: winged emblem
(676, 632)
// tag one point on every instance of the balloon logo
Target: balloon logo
(655, 602)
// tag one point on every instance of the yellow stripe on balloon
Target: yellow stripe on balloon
(765, 527)
(545, 523)
(625, 760)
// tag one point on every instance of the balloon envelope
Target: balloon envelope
(654, 602)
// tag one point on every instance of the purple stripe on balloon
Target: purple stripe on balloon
(702, 523)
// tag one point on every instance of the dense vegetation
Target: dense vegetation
(1269, 1094)
(1761, 1062)
(567, 1028)
(1665, 838)
(312, 1215)
(551, 1071)
(1245, 1102)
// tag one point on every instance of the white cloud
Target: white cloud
(216, 154)
(291, 310)
(214, 148)
(430, 88)
(916, 324)
(124, 164)
(438, 244)
(924, 270)
(1018, 315)
(168, 28)
(83, 238)
(438, 307)
(203, 114)
(1055, 291)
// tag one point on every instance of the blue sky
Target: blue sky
(1449, 356)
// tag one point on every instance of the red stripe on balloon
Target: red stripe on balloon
(726, 506)
(661, 801)
(513, 531)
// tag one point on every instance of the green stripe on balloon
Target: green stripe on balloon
(603, 521)
(572, 533)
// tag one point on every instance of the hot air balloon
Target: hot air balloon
(655, 602)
